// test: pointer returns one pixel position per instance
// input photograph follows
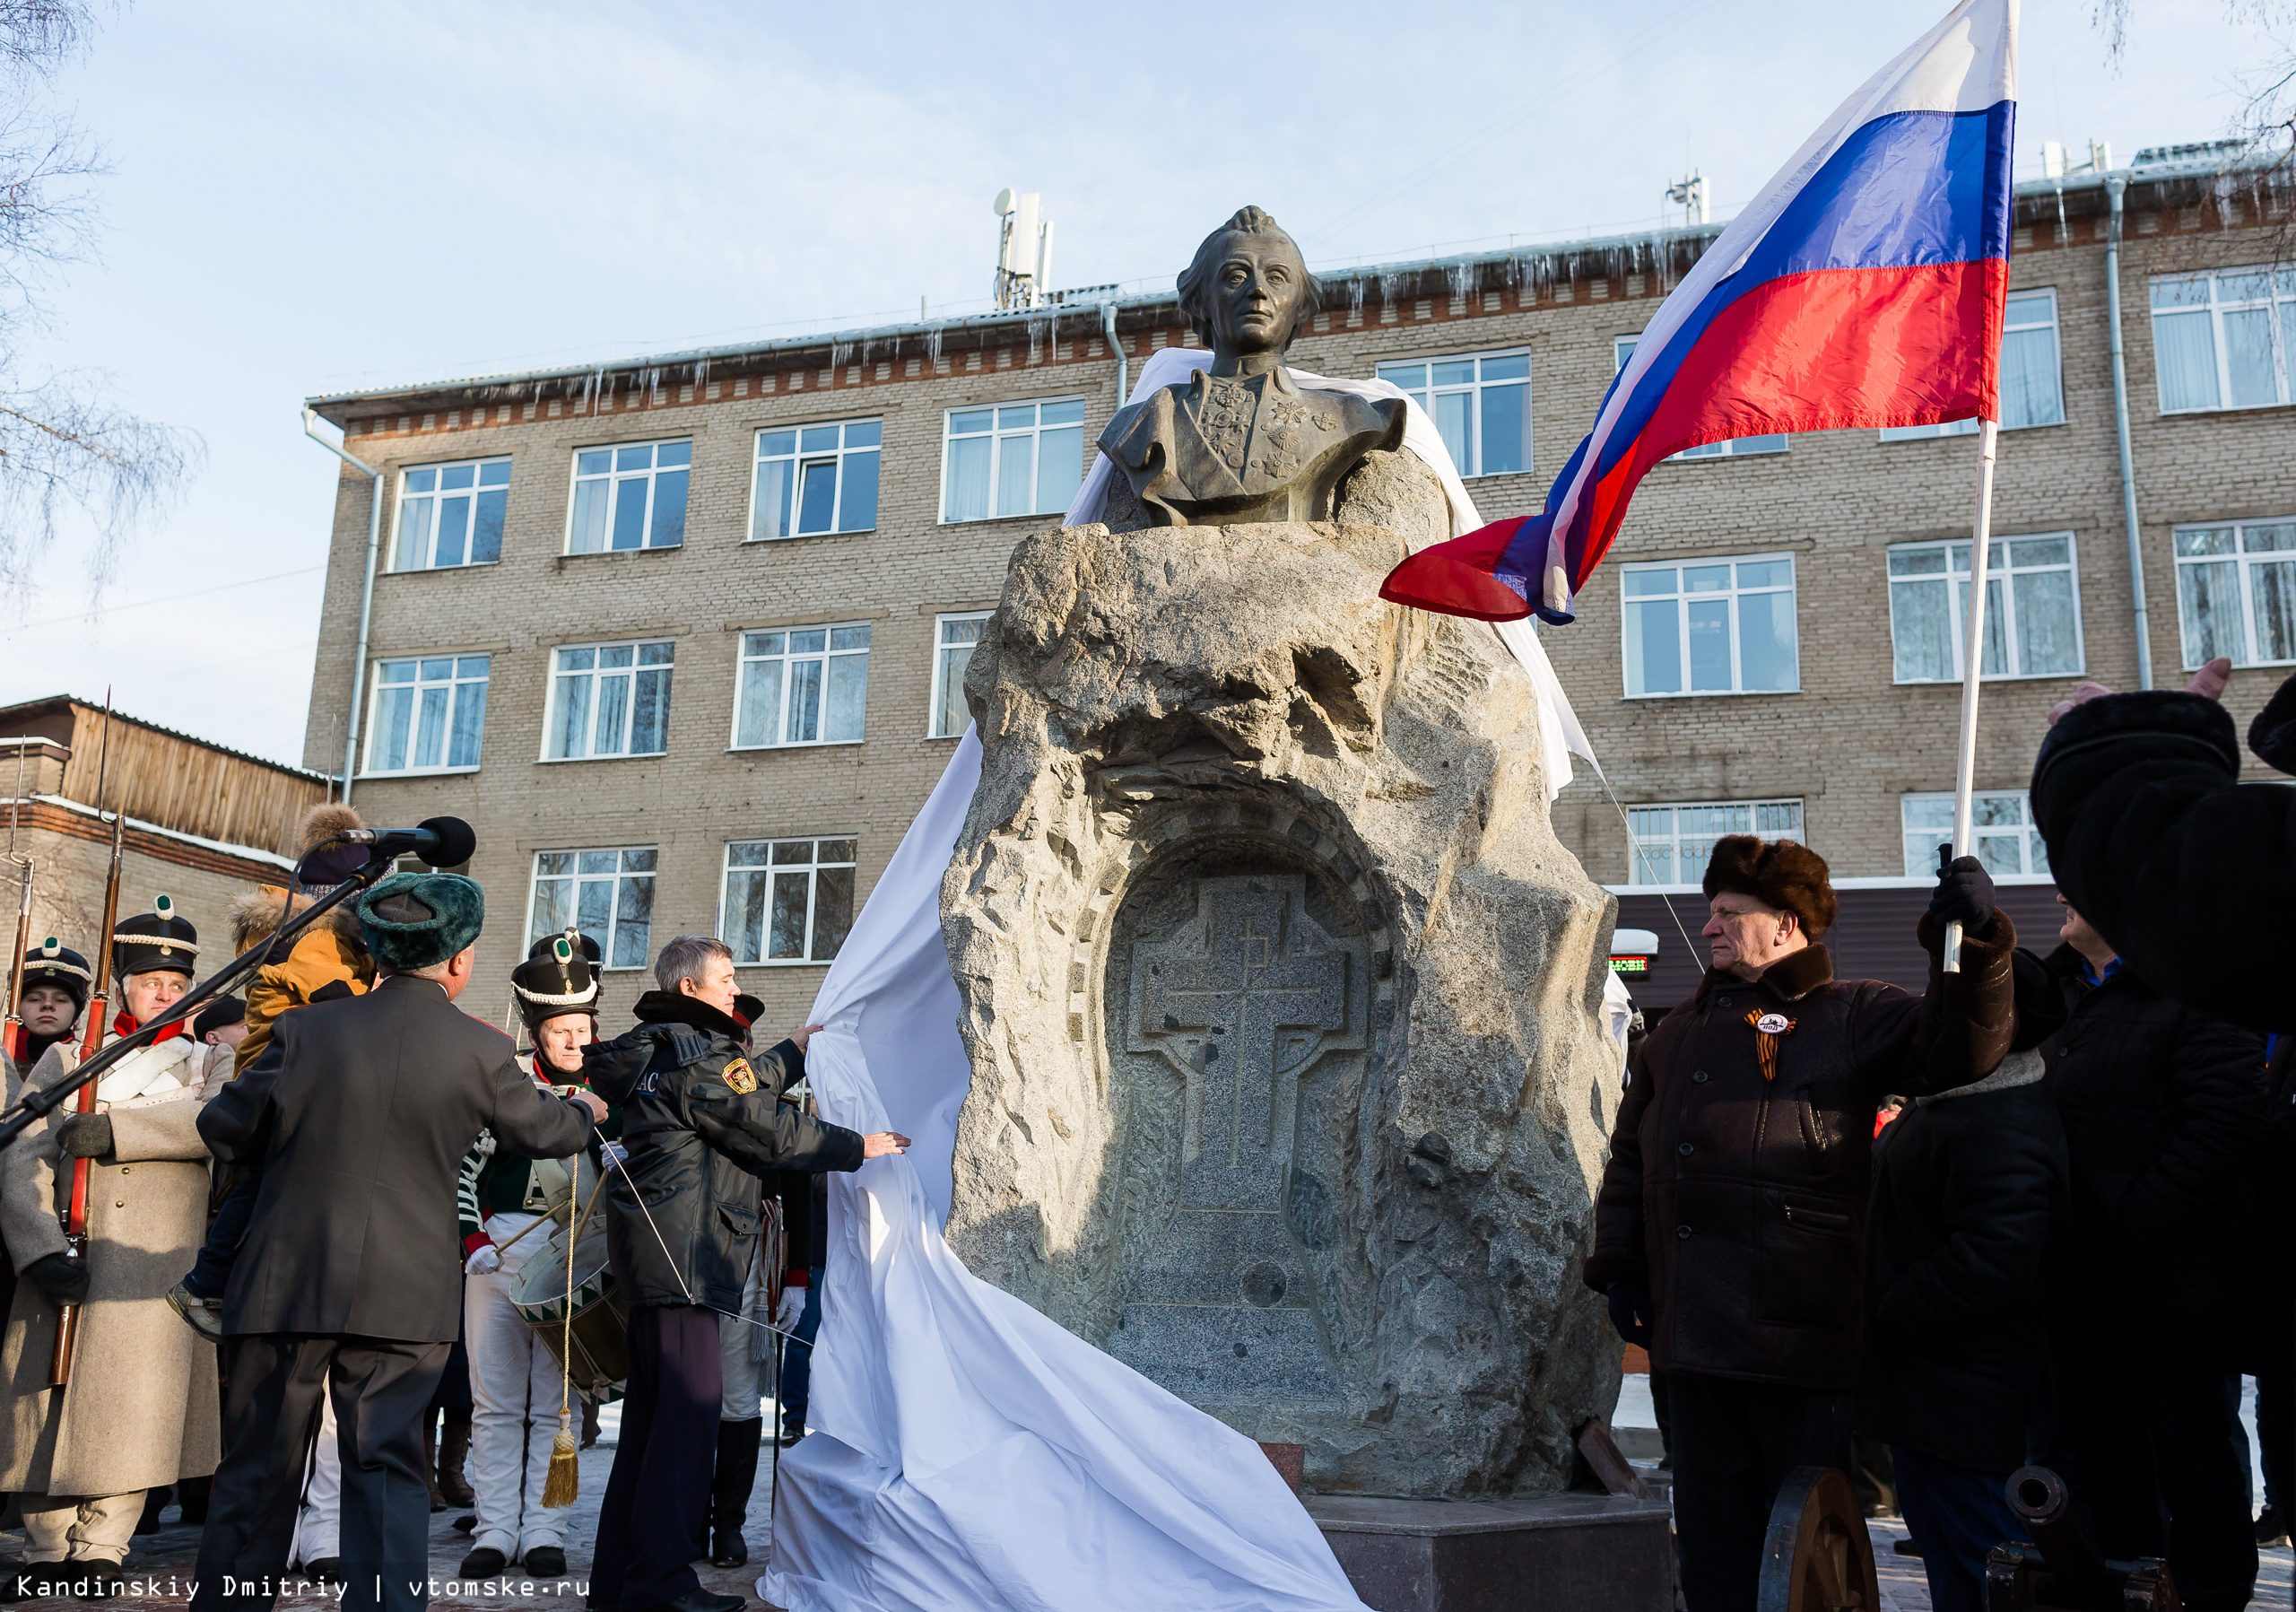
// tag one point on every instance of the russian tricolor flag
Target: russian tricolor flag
(1865, 287)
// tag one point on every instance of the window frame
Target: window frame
(535, 876)
(614, 478)
(727, 870)
(437, 495)
(1628, 601)
(996, 435)
(553, 674)
(800, 459)
(2245, 565)
(1893, 434)
(744, 661)
(1730, 447)
(1957, 590)
(2280, 304)
(1636, 858)
(2029, 835)
(940, 668)
(1474, 388)
(454, 682)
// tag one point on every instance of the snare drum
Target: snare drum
(601, 1331)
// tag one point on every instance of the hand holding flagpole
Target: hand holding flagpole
(1973, 665)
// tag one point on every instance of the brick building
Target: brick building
(680, 636)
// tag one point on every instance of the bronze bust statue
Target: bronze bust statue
(1239, 442)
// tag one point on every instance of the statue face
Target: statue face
(1255, 295)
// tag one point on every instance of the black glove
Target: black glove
(1632, 1311)
(1964, 896)
(61, 1279)
(85, 1135)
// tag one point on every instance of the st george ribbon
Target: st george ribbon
(1866, 286)
(968, 1452)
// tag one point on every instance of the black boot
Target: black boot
(155, 1501)
(192, 1493)
(730, 1489)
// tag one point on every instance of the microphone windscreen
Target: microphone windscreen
(457, 841)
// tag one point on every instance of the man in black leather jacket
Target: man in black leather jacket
(701, 1122)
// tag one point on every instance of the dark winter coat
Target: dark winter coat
(1967, 1185)
(1742, 1201)
(2156, 843)
(703, 1124)
(2164, 1111)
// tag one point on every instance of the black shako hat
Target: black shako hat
(560, 976)
(151, 941)
(52, 962)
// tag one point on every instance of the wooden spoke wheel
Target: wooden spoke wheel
(1818, 1556)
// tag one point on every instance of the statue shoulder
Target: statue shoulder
(1130, 430)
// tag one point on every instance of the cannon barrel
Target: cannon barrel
(2083, 1579)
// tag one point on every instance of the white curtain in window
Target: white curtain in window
(2184, 347)
(2029, 394)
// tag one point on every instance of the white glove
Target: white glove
(484, 1260)
(793, 1308)
(611, 1156)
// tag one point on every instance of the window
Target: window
(2032, 609)
(2032, 389)
(817, 478)
(609, 700)
(953, 638)
(802, 685)
(2001, 822)
(1481, 404)
(607, 895)
(451, 515)
(626, 498)
(427, 714)
(1737, 448)
(2236, 592)
(787, 900)
(1672, 844)
(2221, 340)
(1017, 458)
(1711, 627)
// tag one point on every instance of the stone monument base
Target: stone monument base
(1548, 1552)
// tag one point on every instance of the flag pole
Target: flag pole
(1973, 663)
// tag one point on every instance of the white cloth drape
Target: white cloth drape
(1559, 735)
(971, 1453)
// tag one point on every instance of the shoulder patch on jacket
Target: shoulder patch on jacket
(740, 1077)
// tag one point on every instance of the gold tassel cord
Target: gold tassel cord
(564, 1483)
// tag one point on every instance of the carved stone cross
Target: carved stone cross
(1240, 1001)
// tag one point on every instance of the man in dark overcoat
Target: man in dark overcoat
(1730, 1225)
(358, 1114)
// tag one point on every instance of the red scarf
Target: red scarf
(126, 1025)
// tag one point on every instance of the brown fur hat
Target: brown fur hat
(1777, 873)
(322, 822)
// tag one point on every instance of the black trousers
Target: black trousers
(271, 1408)
(646, 1551)
(1734, 1445)
(2149, 1406)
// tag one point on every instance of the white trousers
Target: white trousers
(319, 1520)
(742, 1353)
(514, 1391)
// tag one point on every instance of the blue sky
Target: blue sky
(310, 199)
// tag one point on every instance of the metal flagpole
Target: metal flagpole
(1972, 663)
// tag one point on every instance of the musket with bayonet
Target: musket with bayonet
(75, 1209)
(13, 1030)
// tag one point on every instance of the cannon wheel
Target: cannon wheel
(1818, 1556)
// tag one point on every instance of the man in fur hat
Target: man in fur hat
(139, 1411)
(514, 1376)
(57, 982)
(1729, 1230)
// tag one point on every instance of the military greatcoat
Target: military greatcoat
(141, 1408)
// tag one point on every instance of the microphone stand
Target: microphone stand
(33, 1106)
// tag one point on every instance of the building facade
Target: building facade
(682, 637)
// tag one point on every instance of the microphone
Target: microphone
(441, 842)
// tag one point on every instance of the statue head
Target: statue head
(1249, 290)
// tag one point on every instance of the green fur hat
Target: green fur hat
(415, 920)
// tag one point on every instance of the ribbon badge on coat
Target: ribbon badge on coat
(1770, 1028)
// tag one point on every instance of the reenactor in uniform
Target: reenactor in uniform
(139, 1410)
(57, 980)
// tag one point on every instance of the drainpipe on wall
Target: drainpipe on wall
(366, 594)
(1123, 363)
(2115, 185)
